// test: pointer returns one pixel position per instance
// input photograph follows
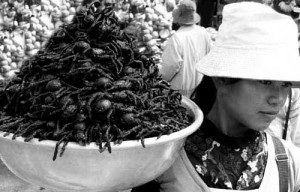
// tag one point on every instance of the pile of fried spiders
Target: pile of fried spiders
(90, 84)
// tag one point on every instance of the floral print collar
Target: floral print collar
(227, 162)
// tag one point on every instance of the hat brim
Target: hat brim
(256, 64)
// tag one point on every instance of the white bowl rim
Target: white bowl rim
(152, 141)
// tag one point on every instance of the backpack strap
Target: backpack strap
(282, 163)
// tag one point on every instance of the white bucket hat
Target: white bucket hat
(185, 13)
(254, 42)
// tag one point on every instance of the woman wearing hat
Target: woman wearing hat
(184, 49)
(248, 75)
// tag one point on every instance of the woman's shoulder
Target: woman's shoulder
(201, 29)
(181, 176)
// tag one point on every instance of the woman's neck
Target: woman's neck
(225, 123)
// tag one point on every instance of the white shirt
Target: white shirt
(183, 51)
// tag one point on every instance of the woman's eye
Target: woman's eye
(265, 82)
(284, 84)
(287, 84)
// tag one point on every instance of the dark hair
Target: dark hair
(205, 93)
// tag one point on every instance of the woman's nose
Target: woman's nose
(277, 96)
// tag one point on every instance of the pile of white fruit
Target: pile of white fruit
(24, 28)
(151, 24)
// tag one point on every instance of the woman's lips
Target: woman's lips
(269, 114)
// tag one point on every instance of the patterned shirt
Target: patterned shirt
(227, 162)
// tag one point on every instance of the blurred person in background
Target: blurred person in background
(184, 49)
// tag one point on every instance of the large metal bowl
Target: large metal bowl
(83, 168)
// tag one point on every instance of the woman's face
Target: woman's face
(251, 104)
